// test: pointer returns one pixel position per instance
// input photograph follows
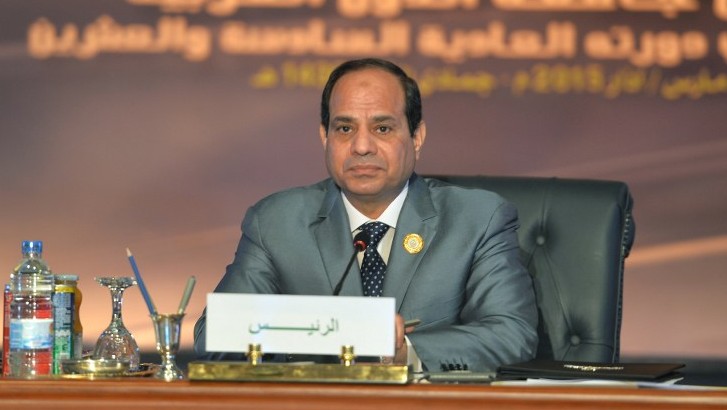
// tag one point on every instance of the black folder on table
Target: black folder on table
(550, 369)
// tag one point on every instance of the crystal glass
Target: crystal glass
(116, 342)
(167, 330)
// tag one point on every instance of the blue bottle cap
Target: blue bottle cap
(32, 247)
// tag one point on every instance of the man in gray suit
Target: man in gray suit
(450, 255)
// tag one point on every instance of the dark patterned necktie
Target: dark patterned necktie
(373, 267)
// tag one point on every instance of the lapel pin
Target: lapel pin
(413, 243)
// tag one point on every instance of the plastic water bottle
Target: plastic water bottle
(31, 315)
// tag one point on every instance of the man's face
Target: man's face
(370, 152)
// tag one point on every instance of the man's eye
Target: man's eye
(344, 129)
(383, 129)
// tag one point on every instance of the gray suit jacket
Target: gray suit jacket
(467, 285)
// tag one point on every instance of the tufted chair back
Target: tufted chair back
(574, 236)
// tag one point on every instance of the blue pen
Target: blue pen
(142, 287)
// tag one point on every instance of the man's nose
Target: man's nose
(363, 143)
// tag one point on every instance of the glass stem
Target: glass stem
(168, 360)
(116, 299)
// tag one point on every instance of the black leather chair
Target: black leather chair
(574, 236)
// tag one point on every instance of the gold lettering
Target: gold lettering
(617, 43)
(266, 77)
(563, 79)
(385, 8)
(559, 40)
(665, 48)
(441, 4)
(625, 81)
(241, 38)
(315, 38)
(431, 42)
(306, 74)
(104, 35)
(68, 40)
(230, 7)
(198, 46)
(351, 41)
(722, 45)
(395, 38)
(481, 83)
(695, 87)
(668, 8)
(694, 45)
(222, 7)
(172, 6)
(720, 9)
(556, 5)
(356, 9)
(41, 39)
(526, 43)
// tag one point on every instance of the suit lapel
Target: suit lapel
(333, 236)
(418, 216)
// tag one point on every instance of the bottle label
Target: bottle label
(63, 306)
(6, 331)
(26, 334)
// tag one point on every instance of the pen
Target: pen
(142, 287)
(412, 323)
(187, 293)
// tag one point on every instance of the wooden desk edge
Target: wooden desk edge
(149, 393)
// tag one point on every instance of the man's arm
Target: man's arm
(498, 319)
(249, 257)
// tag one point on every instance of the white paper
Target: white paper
(300, 324)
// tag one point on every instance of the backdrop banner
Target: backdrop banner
(154, 125)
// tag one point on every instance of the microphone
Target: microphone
(359, 245)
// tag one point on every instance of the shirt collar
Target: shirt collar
(389, 216)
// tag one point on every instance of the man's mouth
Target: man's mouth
(364, 169)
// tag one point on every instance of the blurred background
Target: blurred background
(155, 124)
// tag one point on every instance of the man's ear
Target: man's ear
(323, 135)
(419, 136)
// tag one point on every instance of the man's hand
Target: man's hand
(400, 356)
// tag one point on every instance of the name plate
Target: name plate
(300, 324)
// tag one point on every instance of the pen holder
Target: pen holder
(167, 329)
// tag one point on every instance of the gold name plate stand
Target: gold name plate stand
(255, 371)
